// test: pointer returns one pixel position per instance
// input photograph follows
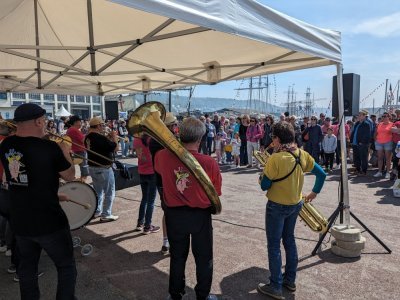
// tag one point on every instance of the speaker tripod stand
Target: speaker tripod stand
(339, 212)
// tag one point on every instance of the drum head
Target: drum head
(83, 193)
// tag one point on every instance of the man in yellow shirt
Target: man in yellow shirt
(283, 177)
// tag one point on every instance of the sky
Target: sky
(370, 47)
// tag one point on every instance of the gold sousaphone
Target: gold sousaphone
(308, 213)
(149, 118)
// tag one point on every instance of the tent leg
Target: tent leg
(343, 150)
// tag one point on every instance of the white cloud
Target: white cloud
(380, 27)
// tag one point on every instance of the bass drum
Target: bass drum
(81, 211)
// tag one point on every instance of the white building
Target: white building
(83, 106)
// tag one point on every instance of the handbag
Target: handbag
(228, 148)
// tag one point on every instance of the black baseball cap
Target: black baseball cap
(28, 111)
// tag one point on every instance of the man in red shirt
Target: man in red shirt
(78, 147)
(187, 211)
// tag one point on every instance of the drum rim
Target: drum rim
(97, 201)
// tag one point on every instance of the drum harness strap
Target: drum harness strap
(297, 163)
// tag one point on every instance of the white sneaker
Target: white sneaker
(378, 174)
(387, 176)
(8, 252)
(109, 218)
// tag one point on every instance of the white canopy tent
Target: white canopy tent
(101, 47)
(62, 112)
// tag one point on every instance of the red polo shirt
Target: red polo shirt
(180, 187)
(145, 163)
(77, 137)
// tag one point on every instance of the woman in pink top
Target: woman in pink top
(147, 184)
(383, 144)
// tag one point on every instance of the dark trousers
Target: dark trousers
(313, 149)
(338, 153)
(58, 246)
(243, 153)
(203, 147)
(360, 157)
(149, 193)
(329, 160)
(209, 145)
(185, 224)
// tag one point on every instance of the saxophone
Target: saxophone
(313, 218)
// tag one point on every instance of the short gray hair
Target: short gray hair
(191, 130)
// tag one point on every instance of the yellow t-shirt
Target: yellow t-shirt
(287, 191)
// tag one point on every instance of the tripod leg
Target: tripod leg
(331, 219)
(371, 233)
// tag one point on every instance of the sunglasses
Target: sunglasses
(313, 119)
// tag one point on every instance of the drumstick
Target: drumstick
(85, 205)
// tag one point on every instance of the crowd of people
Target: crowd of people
(295, 145)
(369, 141)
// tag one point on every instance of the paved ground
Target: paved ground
(128, 265)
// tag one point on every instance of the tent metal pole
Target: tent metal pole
(343, 151)
(41, 47)
(137, 44)
(67, 69)
(91, 38)
(148, 39)
(46, 61)
(169, 100)
(39, 75)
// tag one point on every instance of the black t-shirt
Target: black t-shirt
(100, 144)
(32, 167)
(242, 132)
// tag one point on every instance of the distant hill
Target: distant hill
(207, 104)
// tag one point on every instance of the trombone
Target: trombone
(63, 139)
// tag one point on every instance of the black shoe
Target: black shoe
(289, 285)
(165, 249)
(267, 289)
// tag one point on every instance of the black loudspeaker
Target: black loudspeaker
(111, 108)
(121, 180)
(351, 95)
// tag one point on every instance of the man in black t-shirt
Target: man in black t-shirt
(100, 168)
(32, 167)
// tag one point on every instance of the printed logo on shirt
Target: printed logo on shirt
(17, 168)
(182, 179)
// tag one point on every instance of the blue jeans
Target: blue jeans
(124, 147)
(280, 221)
(83, 165)
(58, 246)
(104, 185)
(149, 192)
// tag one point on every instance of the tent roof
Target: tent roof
(102, 47)
(62, 112)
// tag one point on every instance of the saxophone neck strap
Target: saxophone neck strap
(297, 163)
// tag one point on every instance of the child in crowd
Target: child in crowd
(329, 145)
(236, 149)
